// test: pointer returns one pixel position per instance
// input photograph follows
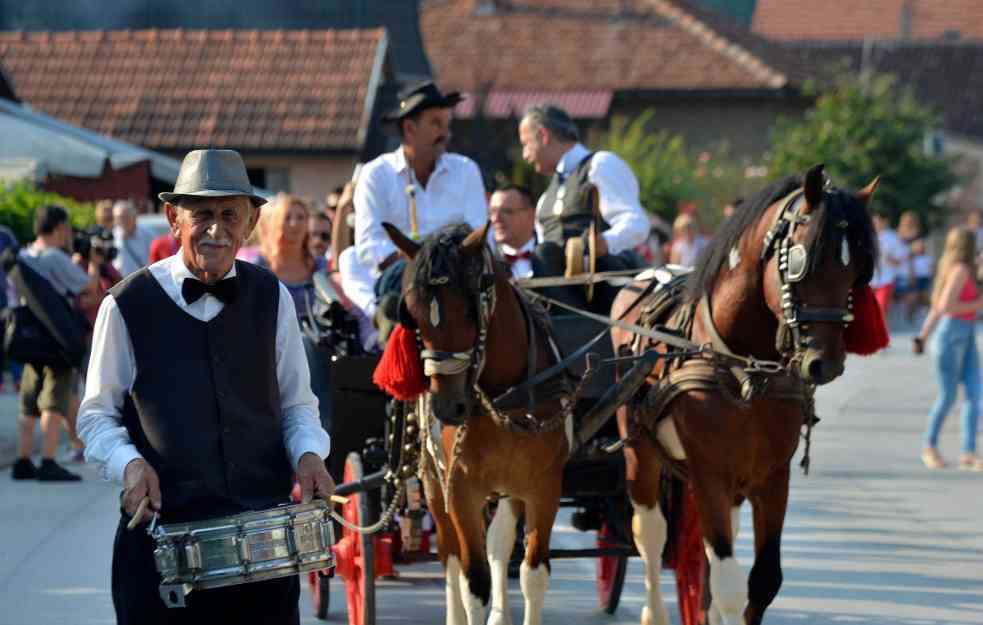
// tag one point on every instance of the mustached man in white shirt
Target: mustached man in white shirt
(198, 396)
(551, 143)
(446, 188)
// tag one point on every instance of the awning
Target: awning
(512, 104)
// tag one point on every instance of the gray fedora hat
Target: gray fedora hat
(212, 173)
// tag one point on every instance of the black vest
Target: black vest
(562, 211)
(205, 406)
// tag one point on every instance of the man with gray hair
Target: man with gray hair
(132, 242)
(198, 396)
(551, 143)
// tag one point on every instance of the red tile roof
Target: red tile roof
(852, 20)
(506, 104)
(585, 45)
(177, 89)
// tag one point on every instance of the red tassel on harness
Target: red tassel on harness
(400, 370)
(868, 332)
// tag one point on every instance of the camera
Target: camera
(97, 238)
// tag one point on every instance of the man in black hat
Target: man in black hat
(198, 396)
(419, 188)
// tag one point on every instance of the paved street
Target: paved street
(871, 536)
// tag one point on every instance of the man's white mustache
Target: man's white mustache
(214, 243)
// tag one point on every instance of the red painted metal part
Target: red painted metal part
(348, 557)
(690, 563)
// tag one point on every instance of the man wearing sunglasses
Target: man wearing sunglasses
(319, 234)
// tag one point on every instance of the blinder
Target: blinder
(403, 315)
(793, 267)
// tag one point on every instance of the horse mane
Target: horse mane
(440, 257)
(838, 206)
(712, 258)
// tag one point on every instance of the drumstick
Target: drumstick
(138, 515)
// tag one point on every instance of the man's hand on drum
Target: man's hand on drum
(313, 477)
(139, 481)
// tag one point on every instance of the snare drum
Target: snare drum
(247, 547)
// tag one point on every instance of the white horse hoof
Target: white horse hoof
(499, 617)
(648, 617)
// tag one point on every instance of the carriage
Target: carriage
(371, 439)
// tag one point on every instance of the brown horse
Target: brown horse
(773, 293)
(475, 335)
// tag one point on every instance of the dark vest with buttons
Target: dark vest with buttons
(205, 405)
(562, 211)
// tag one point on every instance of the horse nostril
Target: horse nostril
(816, 369)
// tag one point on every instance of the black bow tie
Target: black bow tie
(224, 290)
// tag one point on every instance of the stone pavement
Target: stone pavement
(871, 536)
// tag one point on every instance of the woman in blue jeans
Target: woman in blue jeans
(955, 304)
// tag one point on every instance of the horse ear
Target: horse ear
(402, 242)
(475, 241)
(867, 192)
(813, 187)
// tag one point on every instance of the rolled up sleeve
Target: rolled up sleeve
(620, 206)
(110, 375)
(372, 208)
(476, 206)
(300, 419)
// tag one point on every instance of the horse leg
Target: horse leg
(735, 526)
(534, 572)
(769, 504)
(447, 547)
(466, 511)
(501, 540)
(728, 584)
(649, 526)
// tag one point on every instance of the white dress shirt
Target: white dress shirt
(359, 287)
(112, 372)
(620, 207)
(454, 193)
(522, 267)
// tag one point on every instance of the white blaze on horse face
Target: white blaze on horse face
(667, 435)
(650, 530)
(728, 586)
(501, 538)
(455, 607)
(845, 252)
(534, 583)
(734, 258)
(434, 312)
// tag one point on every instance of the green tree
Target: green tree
(861, 128)
(20, 201)
(666, 173)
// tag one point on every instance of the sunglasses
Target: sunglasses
(324, 236)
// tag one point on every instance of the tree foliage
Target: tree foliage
(670, 176)
(862, 128)
(19, 203)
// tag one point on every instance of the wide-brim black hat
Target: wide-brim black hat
(420, 96)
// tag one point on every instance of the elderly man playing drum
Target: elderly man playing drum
(419, 188)
(551, 143)
(198, 396)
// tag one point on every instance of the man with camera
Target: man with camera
(95, 246)
(46, 392)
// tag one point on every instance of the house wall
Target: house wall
(311, 177)
(744, 125)
(968, 156)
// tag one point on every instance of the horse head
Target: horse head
(448, 296)
(821, 246)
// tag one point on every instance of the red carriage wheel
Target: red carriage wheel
(355, 553)
(610, 572)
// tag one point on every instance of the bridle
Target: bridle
(472, 361)
(793, 267)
